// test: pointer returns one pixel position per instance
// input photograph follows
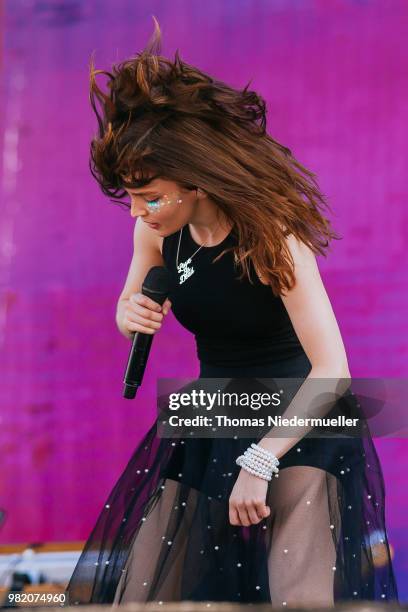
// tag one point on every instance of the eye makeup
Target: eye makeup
(155, 205)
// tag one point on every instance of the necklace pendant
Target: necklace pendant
(184, 270)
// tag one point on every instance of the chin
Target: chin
(164, 232)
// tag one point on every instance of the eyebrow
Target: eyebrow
(146, 192)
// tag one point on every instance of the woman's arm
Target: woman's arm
(146, 253)
(313, 319)
(312, 316)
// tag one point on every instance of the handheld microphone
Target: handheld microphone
(156, 286)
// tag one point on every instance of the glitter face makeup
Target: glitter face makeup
(165, 206)
(165, 200)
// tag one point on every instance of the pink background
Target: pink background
(334, 75)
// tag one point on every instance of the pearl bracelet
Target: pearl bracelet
(259, 461)
(257, 472)
(260, 450)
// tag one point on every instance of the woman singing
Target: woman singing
(238, 221)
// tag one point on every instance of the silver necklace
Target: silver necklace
(183, 268)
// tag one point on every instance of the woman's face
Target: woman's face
(163, 204)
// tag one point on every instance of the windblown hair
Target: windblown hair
(171, 120)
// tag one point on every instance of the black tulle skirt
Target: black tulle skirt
(164, 533)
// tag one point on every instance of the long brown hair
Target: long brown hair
(174, 120)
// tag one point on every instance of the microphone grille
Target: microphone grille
(158, 279)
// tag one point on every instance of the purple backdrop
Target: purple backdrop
(334, 75)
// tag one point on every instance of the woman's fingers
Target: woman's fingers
(166, 306)
(253, 515)
(262, 510)
(248, 499)
(143, 300)
(233, 515)
(247, 513)
(143, 314)
(148, 307)
(146, 322)
(243, 514)
(146, 313)
(137, 327)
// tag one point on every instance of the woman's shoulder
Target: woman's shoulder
(301, 254)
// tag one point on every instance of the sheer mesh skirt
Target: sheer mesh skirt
(164, 532)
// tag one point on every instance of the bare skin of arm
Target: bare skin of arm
(313, 319)
(134, 311)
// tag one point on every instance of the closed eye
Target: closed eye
(153, 203)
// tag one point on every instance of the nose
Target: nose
(137, 210)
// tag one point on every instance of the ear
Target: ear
(200, 193)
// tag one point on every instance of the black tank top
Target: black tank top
(234, 322)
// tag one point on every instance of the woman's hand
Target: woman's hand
(247, 500)
(143, 314)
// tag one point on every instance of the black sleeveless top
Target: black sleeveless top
(234, 322)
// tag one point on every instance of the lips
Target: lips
(153, 225)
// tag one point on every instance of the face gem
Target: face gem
(165, 200)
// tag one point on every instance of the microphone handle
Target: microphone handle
(139, 351)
